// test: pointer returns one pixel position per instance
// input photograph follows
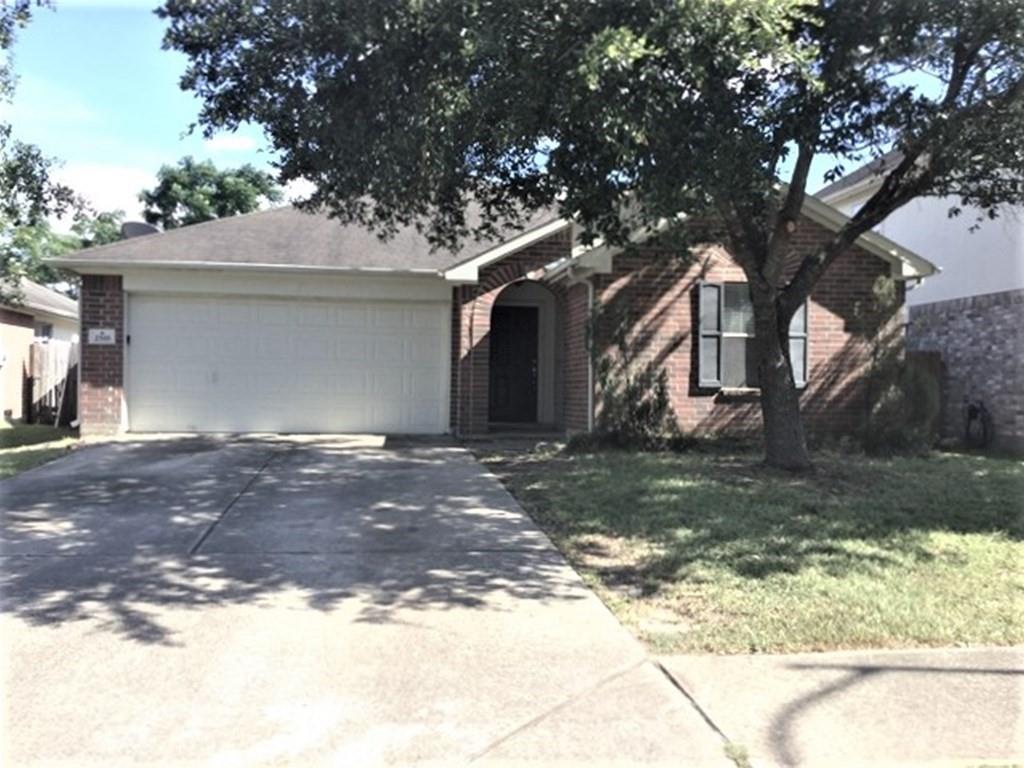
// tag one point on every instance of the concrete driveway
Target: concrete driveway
(320, 601)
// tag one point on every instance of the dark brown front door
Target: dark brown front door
(513, 364)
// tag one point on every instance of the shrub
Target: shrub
(635, 408)
(903, 413)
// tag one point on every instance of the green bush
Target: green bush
(635, 408)
(903, 414)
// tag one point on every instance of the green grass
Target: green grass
(710, 552)
(23, 446)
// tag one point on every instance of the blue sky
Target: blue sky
(96, 90)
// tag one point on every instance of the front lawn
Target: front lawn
(23, 446)
(708, 551)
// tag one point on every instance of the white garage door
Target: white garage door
(266, 365)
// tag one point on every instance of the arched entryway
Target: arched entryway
(523, 358)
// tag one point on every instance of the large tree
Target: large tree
(194, 191)
(624, 114)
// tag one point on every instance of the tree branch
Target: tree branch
(787, 216)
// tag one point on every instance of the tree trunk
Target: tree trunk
(785, 444)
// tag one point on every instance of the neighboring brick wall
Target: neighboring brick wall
(102, 367)
(471, 320)
(981, 340)
(654, 293)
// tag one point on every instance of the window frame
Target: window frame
(707, 381)
(712, 382)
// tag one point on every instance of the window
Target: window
(44, 330)
(727, 356)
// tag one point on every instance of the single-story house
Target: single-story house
(284, 321)
(41, 313)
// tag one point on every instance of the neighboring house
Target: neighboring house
(41, 314)
(972, 313)
(283, 321)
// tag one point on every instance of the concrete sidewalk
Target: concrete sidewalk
(928, 707)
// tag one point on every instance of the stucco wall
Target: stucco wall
(16, 336)
(987, 260)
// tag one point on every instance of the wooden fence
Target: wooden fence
(52, 386)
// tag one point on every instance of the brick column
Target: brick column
(102, 366)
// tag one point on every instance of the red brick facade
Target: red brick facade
(656, 293)
(102, 366)
(653, 291)
(578, 384)
(471, 322)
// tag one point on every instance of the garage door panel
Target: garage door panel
(351, 316)
(237, 364)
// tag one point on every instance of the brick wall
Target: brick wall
(471, 321)
(577, 358)
(102, 366)
(981, 341)
(651, 294)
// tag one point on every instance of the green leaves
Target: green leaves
(192, 192)
(614, 50)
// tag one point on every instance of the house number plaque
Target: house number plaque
(104, 336)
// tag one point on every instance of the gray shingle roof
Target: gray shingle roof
(288, 236)
(875, 167)
(42, 299)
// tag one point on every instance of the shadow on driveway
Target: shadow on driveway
(127, 529)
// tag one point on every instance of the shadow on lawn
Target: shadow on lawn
(722, 510)
(127, 534)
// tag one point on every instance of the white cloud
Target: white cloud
(108, 187)
(230, 142)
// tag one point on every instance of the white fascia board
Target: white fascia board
(469, 271)
(853, 190)
(907, 265)
(47, 314)
(117, 266)
(596, 258)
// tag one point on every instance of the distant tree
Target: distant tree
(24, 248)
(625, 114)
(192, 191)
(99, 228)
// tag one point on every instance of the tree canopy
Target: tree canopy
(194, 191)
(623, 115)
(25, 247)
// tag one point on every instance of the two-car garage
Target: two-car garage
(283, 320)
(221, 363)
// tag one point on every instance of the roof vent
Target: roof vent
(137, 229)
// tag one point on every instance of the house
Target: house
(284, 321)
(42, 313)
(972, 313)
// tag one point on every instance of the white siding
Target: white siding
(988, 260)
